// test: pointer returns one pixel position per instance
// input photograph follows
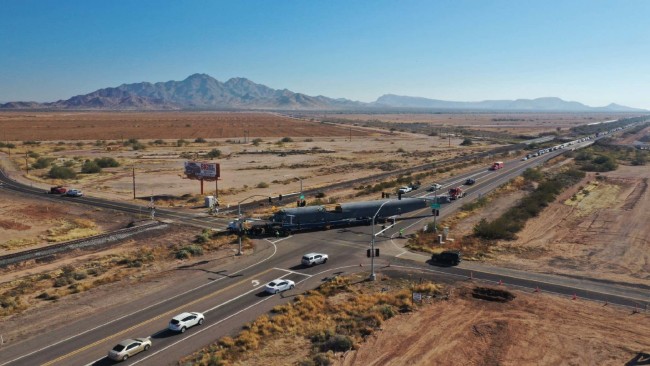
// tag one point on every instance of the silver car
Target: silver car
(129, 347)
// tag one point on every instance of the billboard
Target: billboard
(202, 170)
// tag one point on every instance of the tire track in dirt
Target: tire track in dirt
(634, 197)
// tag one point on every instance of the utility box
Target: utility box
(210, 201)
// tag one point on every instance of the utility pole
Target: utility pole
(26, 164)
(134, 182)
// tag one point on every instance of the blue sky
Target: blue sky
(591, 51)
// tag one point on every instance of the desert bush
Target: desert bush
(257, 141)
(466, 142)
(31, 142)
(42, 163)
(106, 162)
(262, 185)
(199, 140)
(213, 154)
(90, 167)
(59, 172)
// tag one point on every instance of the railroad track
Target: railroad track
(96, 241)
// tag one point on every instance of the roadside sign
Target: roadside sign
(302, 196)
(435, 205)
(417, 296)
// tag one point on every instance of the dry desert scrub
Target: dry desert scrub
(333, 318)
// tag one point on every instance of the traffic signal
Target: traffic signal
(369, 253)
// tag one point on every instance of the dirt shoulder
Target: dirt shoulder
(532, 329)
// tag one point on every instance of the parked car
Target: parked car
(448, 257)
(129, 347)
(74, 193)
(314, 258)
(470, 181)
(434, 187)
(183, 321)
(58, 190)
(524, 158)
(279, 285)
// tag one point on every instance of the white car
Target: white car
(129, 347)
(524, 158)
(314, 258)
(74, 193)
(279, 285)
(182, 321)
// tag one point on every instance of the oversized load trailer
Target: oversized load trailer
(345, 214)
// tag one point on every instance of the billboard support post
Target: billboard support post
(201, 186)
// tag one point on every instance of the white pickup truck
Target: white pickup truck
(404, 189)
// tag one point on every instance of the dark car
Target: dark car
(447, 258)
(470, 181)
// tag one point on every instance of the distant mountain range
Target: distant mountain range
(203, 92)
(538, 104)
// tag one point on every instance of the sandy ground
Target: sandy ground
(25, 221)
(326, 154)
(603, 235)
(533, 329)
(519, 123)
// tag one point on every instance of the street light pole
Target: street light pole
(372, 244)
(239, 251)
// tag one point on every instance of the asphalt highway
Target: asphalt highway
(232, 294)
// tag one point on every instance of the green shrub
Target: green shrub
(466, 142)
(107, 162)
(262, 185)
(199, 140)
(138, 146)
(90, 167)
(59, 172)
(286, 139)
(33, 155)
(213, 154)
(42, 163)
(337, 343)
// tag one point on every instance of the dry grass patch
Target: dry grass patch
(333, 318)
(71, 229)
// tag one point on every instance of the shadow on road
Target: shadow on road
(104, 362)
(298, 267)
(165, 333)
(263, 294)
